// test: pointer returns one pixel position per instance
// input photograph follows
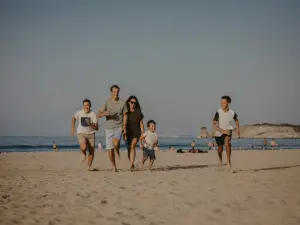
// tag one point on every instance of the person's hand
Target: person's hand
(106, 113)
(72, 131)
(141, 146)
(238, 132)
(93, 125)
(124, 136)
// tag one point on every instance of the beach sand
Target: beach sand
(186, 189)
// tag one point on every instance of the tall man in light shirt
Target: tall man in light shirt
(115, 111)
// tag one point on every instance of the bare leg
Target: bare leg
(151, 164)
(220, 152)
(91, 156)
(116, 143)
(132, 153)
(111, 155)
(228, 151)
(143, 162)
(83, 147)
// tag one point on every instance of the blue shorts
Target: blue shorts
(110, 135)
(149, 153)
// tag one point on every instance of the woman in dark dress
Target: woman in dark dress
(135, 127)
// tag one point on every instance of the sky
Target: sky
(177, 57)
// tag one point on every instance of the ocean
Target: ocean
(44, 144)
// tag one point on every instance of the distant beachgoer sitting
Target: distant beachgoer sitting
(171, 148)
(191, 151)
(196, 151)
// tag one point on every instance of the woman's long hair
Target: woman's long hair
(137, 105)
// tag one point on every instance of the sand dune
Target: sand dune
(55, 188)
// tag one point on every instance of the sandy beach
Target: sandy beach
(55, 188)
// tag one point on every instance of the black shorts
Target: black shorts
(221, 140)
(149, 153)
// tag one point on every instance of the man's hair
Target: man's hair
(114, 86)
(227, 98)
(149, 122)
(87, 100)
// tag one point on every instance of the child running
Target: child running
(222, 123)
(149, 140)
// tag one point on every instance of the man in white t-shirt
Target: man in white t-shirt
(222, 124)
(87, 127)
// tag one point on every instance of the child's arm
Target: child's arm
(237, 124)
(215, 127)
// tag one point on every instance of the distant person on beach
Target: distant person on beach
(135, 127)
(222, 123)
(171, 148)
(115, 111)
(193, 145)
(273, 143)
(209, 145)
(99, 146)
(265, 144)
(54, 147)
(213, 145)
(149, 140)
(87, 127)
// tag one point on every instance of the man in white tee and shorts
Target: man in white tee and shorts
(115, 111)
(87, 127)
(222, 124)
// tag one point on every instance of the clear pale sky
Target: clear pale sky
(177, 57)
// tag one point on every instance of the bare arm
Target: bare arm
(100, 114)
(125, 122)
(215, 127)
(142, 126)
(237, 124)
(73, 126)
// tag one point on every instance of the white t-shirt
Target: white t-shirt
(83, 121)
(224, 120)
(150, 139)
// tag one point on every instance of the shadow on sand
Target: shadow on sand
(180, 167)
(267, 168)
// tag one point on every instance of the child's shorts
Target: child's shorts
(149, 153)
(221, 140)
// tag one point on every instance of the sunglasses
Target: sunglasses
(133, 103)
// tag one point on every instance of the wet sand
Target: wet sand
(55, 188)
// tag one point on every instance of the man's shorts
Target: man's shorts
(149, 153)
(89, 137)
(221, 140)
(110, 135)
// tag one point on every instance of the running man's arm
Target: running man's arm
(73, 125)
(215, 124)
(237, 124)
(101, 111)
(94, 124)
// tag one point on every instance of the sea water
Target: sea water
(44, 144)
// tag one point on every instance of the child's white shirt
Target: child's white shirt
(151, 139)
